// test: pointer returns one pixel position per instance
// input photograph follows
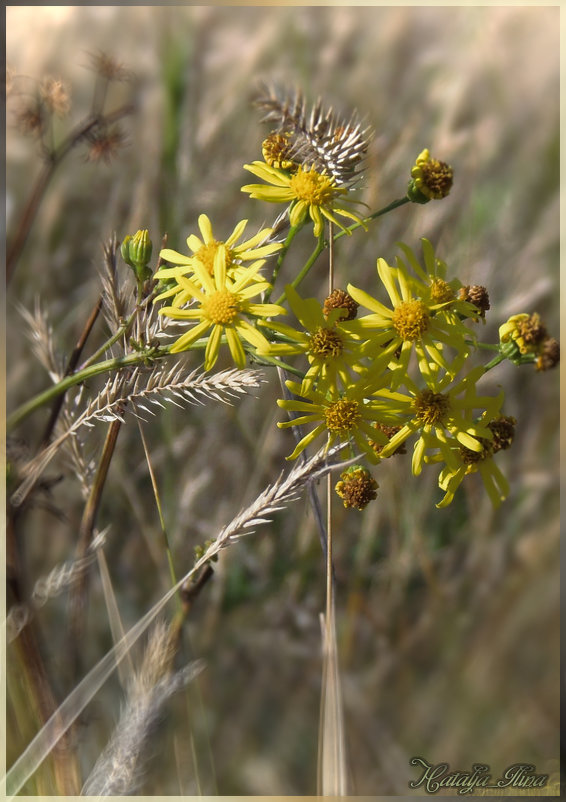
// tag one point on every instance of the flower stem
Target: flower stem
(282, 254)
(393, 205)
(308, 264)
(44, 178)
(497, 360)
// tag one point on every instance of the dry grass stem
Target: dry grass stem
(133, 390)
(119, 770)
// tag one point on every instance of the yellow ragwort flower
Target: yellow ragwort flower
(330, 350)
(418, 320)
(223, 306)
(349, 415)
(204, 251)
(309, 193)
(442, 412)
(467, 462)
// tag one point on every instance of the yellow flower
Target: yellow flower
(527, 331)
(348, 415)
(309, 192)
(204, 251)
(331, 351)
(223, 304)
(417, 320)
(442, 412)
(466, 462)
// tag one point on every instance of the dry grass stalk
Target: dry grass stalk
(41, 336)
(332, 768)
(119, 771)
(275, 497)
(114, 294)
(48, 587)
(138, 388)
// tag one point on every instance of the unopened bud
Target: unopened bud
(136, 252)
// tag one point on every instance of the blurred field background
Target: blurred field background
(448, 620)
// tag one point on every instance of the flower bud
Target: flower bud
(431, 179)
(136, 252)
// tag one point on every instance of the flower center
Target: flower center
(325, 343)
(441, 292)
(342, 415)
(207, 252)
(411, 319)
(314, 188)
(431, 408)
(221, 307)
(275, 150)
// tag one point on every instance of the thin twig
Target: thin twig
(45, 177)
(79, 592)
(71, 365)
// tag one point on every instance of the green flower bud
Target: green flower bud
(136, 252)
(125, 250)
(415, 195)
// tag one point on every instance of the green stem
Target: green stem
(308, 264)
(278, 363)
(393, 205)
(282, 254)
(497, 360)
(76, 378)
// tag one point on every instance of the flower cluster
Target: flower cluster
(374, 368)
(378, 379)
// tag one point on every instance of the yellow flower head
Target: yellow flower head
(331, 351)
(466, 462)
(204, 252)
(424, 316)
(309, 193)
(527, 331)
(349, 415)
(223, 306)
(442, 411)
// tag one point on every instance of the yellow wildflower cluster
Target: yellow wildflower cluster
(371, 370)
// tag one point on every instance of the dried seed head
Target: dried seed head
(503, 429)
(56, 96)
(356, 487)
(107, 67)
(104, 144)
(31, 118)
(339, 299)
(532, 331)
(388, 431)
(476, 295)
(549, 356)
(317, 138)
